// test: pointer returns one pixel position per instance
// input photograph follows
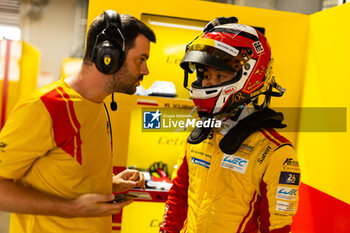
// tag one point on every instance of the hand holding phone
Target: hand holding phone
(123, 197)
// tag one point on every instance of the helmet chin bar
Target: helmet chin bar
(235, 111)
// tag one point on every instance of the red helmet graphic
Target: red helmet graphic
(235, 48)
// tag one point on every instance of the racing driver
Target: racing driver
(243, 176)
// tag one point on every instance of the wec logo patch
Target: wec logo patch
(234, 163)
(286, 193)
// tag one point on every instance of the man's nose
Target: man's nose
(144, 70)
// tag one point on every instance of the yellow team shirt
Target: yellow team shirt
(57, 142)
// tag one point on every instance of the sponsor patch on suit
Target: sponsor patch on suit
(234, 163)
(284, 206)
(291, 178)
(200, 162)
(286, 193)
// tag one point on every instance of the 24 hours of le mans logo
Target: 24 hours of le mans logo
(152, 120)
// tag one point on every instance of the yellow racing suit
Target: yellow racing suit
(253, 190)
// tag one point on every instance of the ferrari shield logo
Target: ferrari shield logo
(107, 60)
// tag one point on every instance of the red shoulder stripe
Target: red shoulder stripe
(277, 136)
(269, 138)
(64, 122)
(76, 124)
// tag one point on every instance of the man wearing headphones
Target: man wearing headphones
(56, 158)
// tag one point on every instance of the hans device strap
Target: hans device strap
(265, 118)
(199, 134)
(109, 49)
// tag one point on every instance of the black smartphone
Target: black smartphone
(123, 197)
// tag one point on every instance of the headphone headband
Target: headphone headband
(110, 16)
(109, 49)
(112, 19)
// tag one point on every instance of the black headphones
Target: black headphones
(109, 49)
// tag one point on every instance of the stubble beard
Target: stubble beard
(120, 82)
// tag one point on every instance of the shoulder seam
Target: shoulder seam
(285, 144)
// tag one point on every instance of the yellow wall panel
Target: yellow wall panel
(324, 156)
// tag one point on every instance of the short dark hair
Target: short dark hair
(132, 27)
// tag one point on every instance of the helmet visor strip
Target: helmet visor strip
(207, 52)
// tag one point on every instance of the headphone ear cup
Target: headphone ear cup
(108, 58)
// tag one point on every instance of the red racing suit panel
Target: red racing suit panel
(253, 190)
(176, 205)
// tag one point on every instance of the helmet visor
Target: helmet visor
(216, 54)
